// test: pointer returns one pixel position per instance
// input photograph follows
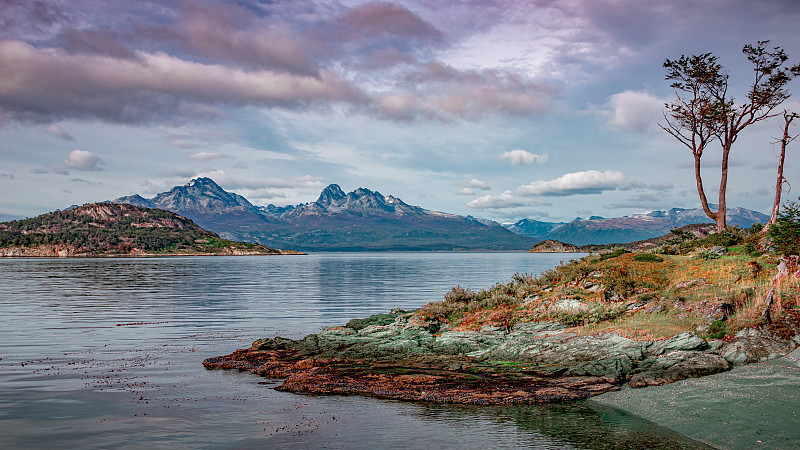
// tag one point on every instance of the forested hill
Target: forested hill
(108, 229)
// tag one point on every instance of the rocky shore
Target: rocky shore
(402, 356)
(70, 251)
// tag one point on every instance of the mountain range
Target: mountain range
(601, 230)
(363, 220)
(360, 220)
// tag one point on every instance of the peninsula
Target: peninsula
(109, 229)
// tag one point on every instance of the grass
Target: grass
(644, 326)
(638, 295)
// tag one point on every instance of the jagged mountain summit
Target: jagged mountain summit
(200, 195)
(333, 200)
(337, 221)
(635, 227)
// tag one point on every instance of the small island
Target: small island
(693, 307)
(117, 230)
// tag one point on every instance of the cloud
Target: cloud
(586, 182)
(475, 184)
(228, 182)
(275, 183)
(158, 87)
(759, 192)
(642, 201)
(377, 19)
(83, 160)
(637, 112)
(99, 42)
(207, 156)
(575, 183)
(81, 180)
(178, 142)
(521, 157)
(229, 33)
(153, 87)
(265, 194)
(7, 176)
(507, 199)
(177, 172)
(56, 131)
(465, 191)
(58, 170)
(439, 91)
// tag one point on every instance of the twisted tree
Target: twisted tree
(703, 110)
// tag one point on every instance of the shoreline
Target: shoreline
(397, 356)
(61, 251)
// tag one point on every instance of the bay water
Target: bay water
(107, 353)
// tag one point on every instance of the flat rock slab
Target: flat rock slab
(428, 380)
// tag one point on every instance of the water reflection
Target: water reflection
(107, 352)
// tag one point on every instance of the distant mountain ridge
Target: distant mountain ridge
(367, 220)
(356, 221)
(635, 227)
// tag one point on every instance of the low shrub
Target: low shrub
(706, 254)
(613, 254)
(785, 232)
(727, 238)
(717, 330)
(648, 257)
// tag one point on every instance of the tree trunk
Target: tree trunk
(723, 186)
(703, 200)
(788, 118)
(783, 271)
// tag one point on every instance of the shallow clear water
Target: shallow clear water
(99, 353)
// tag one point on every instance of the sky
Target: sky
(501, 109)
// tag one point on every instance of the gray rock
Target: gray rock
(677, 365)
(616, 368)
(463, 342)
(569, 305)
(686, 341)
(565, 349)
(754, 349)
(377, 319)
(539, 327)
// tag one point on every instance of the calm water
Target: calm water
(107, 353)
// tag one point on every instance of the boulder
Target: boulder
(677, 365)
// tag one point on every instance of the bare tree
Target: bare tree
(690, 117)
(788, 117)
(703, 110)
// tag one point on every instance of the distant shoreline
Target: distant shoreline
(55, 252)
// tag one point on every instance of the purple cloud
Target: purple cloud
(154, 63)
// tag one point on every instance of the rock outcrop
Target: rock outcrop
(551, 246)
(400, 356)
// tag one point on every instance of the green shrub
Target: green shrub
(755, 228)
(705, 255)
(727, 238)
(648, 257)
(785, 232)
(457, 294)
(613, 254)
(619, 281)
(717, 330)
